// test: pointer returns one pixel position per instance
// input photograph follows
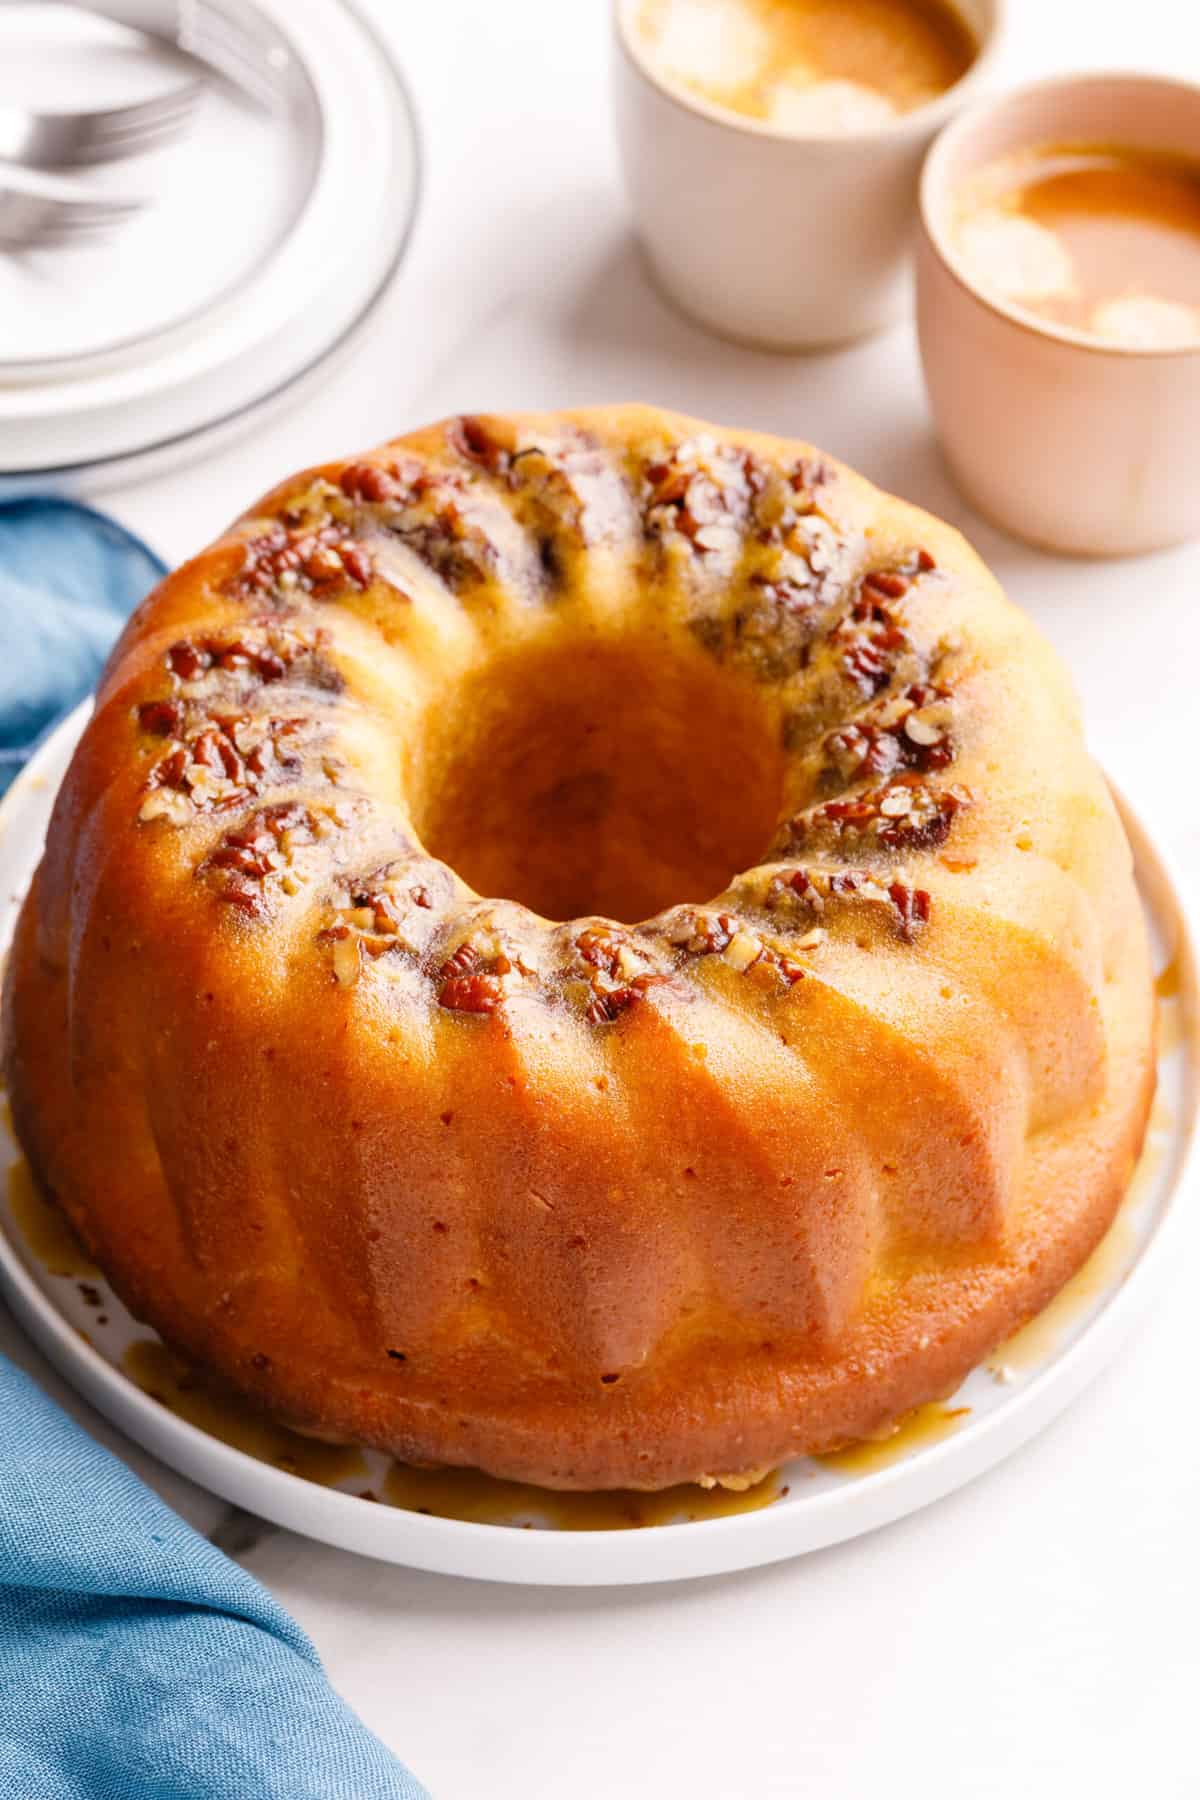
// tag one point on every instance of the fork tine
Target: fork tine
(117, 148)
(149, 115)
(31, 217)
(50, 238)
(49, 235)
(84, 214)
(112, 147)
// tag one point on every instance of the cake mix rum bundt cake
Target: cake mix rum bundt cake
(588, 946)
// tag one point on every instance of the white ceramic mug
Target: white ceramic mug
(772, 238)
(1072, 443)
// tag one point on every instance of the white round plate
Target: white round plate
(1007, 1401)
(177, 257)
(269, 243)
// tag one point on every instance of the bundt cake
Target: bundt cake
(584, 945)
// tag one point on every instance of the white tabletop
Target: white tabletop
(1034, 1634)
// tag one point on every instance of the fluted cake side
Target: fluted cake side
(586, 945)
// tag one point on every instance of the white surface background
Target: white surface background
(1037, 1633)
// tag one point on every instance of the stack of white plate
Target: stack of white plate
(266, 242)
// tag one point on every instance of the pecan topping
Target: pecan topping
(267, 655)
(872, 638)
(187, 660)
(471, 981)
(821, 893)
(223, 759)
(774, 963)
(473, 438)
(911, 731)
(720, 934)
(480, 993)
(567, 494)
(702, 934)
(161, 718)
(601, 946)
(902, 814)
(702, 490)
(607, 1004)
(460, 962)
(870, 641)
(429, 510)
(809, 475)
(384, 912)
(369, 482)
(264, 845)
(797, 566)
(321, 559)
(615, 971)
(913, 906)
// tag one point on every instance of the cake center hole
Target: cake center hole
(616, 779)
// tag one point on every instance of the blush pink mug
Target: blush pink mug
(1069, 442)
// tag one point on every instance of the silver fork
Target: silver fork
(230, 36)
(63, 140)
(35, 217)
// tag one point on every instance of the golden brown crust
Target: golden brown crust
(592, 1204)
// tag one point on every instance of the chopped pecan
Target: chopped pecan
(912, 904)
(387, 914)
(479, 993)
(702, 934)
(702, 489)
(822, 893)
(226, 757)
(261, 847)
(187, 659)
(608, 1004)
(474, 439)
(265, 654)
(161, 718)
(909, 731)
(470, 980)
(307, 559)
(902, 814)
(601, 947)
(810, 474)
(870, 641)
(460, 962)
(370, 482)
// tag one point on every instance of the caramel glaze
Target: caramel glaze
(1169, 983)
(44, 1228)
(465, 1494)
(1169, 991)
(924, 1426)
(186, 1392)
(481, 1500)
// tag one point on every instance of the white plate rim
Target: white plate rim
(653, 1554)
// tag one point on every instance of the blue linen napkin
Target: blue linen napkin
(69, 578)
(136, 1661)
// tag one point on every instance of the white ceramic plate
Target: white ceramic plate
(1009, 1400)
(269, 243)
(204, 230)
